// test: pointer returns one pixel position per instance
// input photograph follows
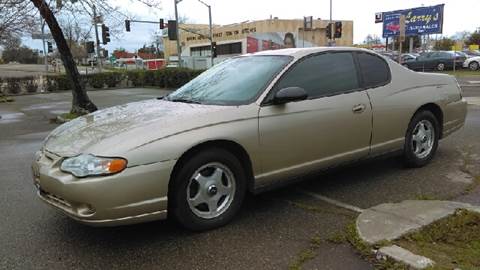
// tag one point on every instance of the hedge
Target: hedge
(164, 78)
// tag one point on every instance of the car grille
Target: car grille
(60, 202)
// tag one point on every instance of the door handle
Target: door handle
(359, 108)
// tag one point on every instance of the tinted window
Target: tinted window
(375, 71)
(322, 75)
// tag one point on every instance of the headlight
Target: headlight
(90, 165)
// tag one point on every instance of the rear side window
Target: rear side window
(375, 71)
(325, 74)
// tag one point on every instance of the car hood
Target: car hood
(131, 124)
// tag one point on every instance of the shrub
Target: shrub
(149, 78)
(13, 86)
(112, 79)
(30, 84)
(97, 80)
(136, 77)
(58, 83)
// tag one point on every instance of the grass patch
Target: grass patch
(462, 72)
(6, 99)
(69, 116)
(302, 258)
(452, 242)
(366, 250)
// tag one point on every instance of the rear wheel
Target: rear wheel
(208, 190)
(440, 66)
(473, 65)
(421, 140)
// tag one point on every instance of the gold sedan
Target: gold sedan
(245, 125)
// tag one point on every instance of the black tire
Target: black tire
(410, 158)
(178, 204)
(474, 65)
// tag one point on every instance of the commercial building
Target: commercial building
(250, 37)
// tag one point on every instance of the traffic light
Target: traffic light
(105, 34)
(338, 29)
(329, 31)
(105, 53)
(214, 49)
(90, 45)
(172, 30)
(127, 25)
(162, 24)
(50, 47)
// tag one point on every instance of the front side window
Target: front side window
(234, 82)
(325, 74)
(375, 71)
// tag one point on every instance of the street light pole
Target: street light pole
(45, 53)
(211, 29)
(95, 22)
(179, 48)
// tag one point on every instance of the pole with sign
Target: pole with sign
(401, 37)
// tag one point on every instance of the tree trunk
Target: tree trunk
(81, 103)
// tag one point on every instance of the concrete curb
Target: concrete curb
(400, 254)
(390, 221)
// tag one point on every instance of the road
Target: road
(273, 230)
(28, 70)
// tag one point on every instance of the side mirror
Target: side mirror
(290, 94)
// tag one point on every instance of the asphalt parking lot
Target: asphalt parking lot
(273, 230)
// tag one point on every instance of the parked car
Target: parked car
(472, 63)
(248, 124)
(472, 53)
(406, 57)
(438, 60)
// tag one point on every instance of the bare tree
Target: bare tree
(81, 103)
(15, 18)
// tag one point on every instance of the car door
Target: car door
(332, 125)
(420, 62)
(376, 80)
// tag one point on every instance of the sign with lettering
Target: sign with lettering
(418, 21)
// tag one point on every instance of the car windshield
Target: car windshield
(236, 81)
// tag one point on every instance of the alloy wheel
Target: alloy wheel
(423, 138)
(211, 190)
(473, 66)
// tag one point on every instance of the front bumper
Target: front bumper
(137, 194)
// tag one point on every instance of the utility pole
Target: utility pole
(330, 24)
(95, 22)
(179, 48)
(211, 27)
(45, 53)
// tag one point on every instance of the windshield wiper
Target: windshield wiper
(184, 100)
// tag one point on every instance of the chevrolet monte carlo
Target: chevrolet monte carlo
(247, 124)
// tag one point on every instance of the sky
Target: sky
(459, 15)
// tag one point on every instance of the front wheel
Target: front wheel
(208, 190)
(473, 66)
(421, 140)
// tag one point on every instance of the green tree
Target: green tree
(474, 38)
(15, 52)
(444, 44)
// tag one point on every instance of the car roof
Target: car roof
(300, 52)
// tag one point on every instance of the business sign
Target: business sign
(418, 21)
(378, 17)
